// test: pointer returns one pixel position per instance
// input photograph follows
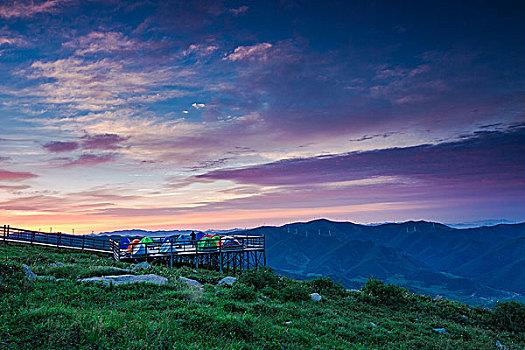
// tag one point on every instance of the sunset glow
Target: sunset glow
(210, 114)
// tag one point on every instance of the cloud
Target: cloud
(15, 176)
(486, 159)
(102, 141)
(61, 146)
(252, 53)
(239, 11)
(24, 8)
(95, 42)
(200, 50)
(198, 105)
(14, 188)
(91, 160)
(82, 84)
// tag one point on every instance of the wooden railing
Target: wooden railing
(58, 239)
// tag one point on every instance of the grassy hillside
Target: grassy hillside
(260, 311)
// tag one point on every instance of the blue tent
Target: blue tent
(124, 243)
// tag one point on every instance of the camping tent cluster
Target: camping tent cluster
(203, 242)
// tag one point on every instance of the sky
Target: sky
(148, 114)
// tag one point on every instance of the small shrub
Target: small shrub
(240, 291)
(510, 316)
(377, 292)
(11, 277)
(259, 279)
(326, 286)
(294, 292)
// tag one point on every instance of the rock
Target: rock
(438, 298)
(56, 264)
(441, 330)
(29, 274)
(260, 300)
(126, 279)
(112, 268)
(316, 297)
(227, 281)
(373, 324)
(354, 291)
(464, 317)
(190, 282)
(143, 265)
(501, 346)
(287, 322)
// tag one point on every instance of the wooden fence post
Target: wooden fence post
(220, 253)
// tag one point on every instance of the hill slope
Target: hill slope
(473, 265)
(260, 311)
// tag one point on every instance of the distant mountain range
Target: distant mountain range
(479, 265)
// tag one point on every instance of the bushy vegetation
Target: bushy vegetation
(260, 311)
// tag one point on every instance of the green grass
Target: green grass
(254, 314)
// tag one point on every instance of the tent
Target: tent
(167, 247)
(132, 245)
(184, 240)
(199, 235)
(124, 243)
(228, 242)
(208, 242)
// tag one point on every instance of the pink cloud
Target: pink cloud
(21, 9)
(6, 175)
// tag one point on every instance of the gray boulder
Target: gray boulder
(227, 281)
(56, 264)
(112, 268)
(30, 275)
(316, 297)
(143, 265)
(126, 279)
(190, 282)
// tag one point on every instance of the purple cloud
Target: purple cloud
(489, 158)
(60, 146)
(91, 160)
(102, 141)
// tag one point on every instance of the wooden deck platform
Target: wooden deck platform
(248, 251)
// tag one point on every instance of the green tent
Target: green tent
(208, 242)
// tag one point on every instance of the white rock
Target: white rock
(126, 279)
(112, 268)
(373, 324)
(228, 281)
(316, 297)
(190, 282)
(143, 265)
(30, 275)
